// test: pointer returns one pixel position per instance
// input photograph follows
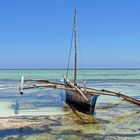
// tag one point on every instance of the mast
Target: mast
(75, 46)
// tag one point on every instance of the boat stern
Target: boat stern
(93, 104)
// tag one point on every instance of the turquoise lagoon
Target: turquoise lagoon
(45, 115)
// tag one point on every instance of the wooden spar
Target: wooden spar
(112, 93)
(46, 81)
(37, 80)
(130, 99)
(77, 89)
(75, 46)
(49, 86)
(83, 91)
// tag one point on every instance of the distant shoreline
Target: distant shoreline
(73, 69)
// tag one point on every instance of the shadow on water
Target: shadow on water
(34, 102)
(17, 107)
(29, 130)
(21, 131)
(57, 129)
(46, 130)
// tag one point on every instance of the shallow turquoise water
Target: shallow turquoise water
(115, 119)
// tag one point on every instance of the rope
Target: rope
(70, 51)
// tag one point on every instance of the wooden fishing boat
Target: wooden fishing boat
(86, 105)
(82, 98)
(78, 98)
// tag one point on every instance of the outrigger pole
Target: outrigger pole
(82, 91)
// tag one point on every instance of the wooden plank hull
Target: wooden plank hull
(77, 101)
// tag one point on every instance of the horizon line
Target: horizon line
(69, 69)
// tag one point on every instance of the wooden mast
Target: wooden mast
(75, 46)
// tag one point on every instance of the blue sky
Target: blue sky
(37, 33)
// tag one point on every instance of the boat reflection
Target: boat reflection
(16, 111)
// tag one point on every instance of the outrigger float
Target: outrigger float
(81, 97)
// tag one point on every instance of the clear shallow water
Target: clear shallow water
(115, 119)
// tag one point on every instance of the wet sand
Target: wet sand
(74, 125)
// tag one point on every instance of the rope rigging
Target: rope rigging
(70, 51)
(80, 53)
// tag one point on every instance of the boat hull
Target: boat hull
(76, 100)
